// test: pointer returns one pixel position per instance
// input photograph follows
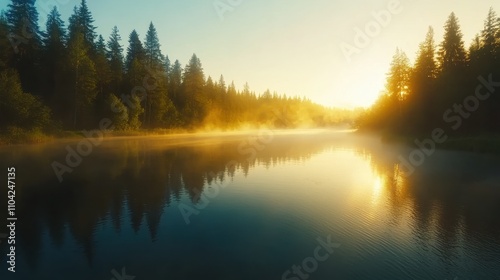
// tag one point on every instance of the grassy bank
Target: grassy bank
(15, 135)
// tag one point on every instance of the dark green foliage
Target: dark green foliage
(115, 57)
(152, 46)
(175, 83)
(82, 22)
(20, 109)
(135, 49)
(24, 37)
(54, 54)
(7, 53)
(193, 98)
(83, 79)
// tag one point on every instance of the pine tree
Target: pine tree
(7, 53)
(136, 72)
(222, 85)
(55, 34)
(133, 83)
(231, 90)
(101, 46)
(475, 50)
(425, 64)
(53, 55)
(22, 17)
(24, 36)
(85, 79)
(175, 84)
(168, 68)
(490, 32)
(246, 89)
(86, 21)
(115, 57)
(159, 108)
(487, 62)
(222, 98)
(452, 55)
(193, 84)
(422, 82)
(398, 77)
(152, 48)
(135, 50)
(103, 77)
(119, 114)
(485, 52)
(81, 22)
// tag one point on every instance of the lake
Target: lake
(303, 204)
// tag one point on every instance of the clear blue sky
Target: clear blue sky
(288, 46)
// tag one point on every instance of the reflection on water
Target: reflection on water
(120, 207)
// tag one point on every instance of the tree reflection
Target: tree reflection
(134, 178)
(451, 199)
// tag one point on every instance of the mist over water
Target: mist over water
(251, 205)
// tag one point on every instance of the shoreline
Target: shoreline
(479, 144)
(26, 137)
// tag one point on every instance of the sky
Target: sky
(293, 47)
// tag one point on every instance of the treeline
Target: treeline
(71, 78)
(448, 86)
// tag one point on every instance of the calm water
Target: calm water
(244, 207)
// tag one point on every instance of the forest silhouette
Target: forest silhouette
(448, 86)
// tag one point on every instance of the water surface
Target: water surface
(251, 206)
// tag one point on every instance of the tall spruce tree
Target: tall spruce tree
(103, 78)
(175, 84)
(54, 53)
(422, 83)
(193, 84)
(81, 21)
(84, 80)
(115, 57)
(490, 32)
(398, 77)
(159, 110)
(135, 50)
(24, 36)
(154, 57)
(452, 54)
(7, 51)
